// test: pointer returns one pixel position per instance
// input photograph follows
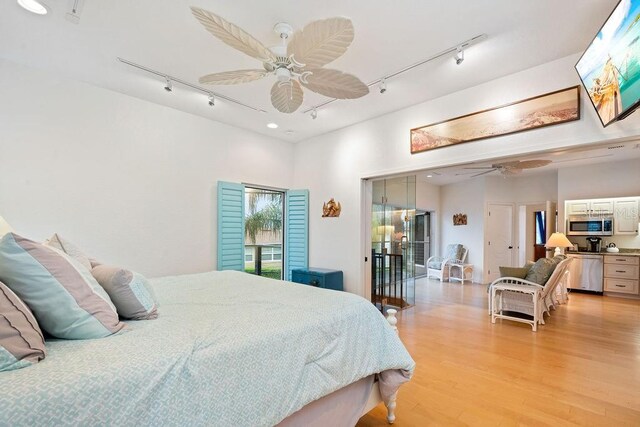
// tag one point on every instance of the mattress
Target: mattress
(228, 348)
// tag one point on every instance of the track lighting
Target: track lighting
(383, 85)
(314, 114)
(169, 86)
(212, 100)
(457, 51)
(459, 55)
(173, 79)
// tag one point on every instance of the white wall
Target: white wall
(131, 182)
(464, 197)
(615, 179)
(332, 165)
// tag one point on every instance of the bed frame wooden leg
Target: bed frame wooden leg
(391, 408)
(391, 318)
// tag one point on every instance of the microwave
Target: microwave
(581, 225)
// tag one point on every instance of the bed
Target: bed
(228, 348)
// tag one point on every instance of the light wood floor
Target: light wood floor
(581, 368)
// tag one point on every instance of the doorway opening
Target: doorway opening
(422, 243)
(393, 243)
(540, 224)
(264, 236)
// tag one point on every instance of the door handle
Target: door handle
(510, 247)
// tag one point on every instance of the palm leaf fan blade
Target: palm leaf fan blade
(232, 35)
(335, 84)
(232, 77)
(321, 42)
(286, 98)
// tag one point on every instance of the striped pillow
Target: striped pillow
(64, 297)
(21, 341)
(130, 292)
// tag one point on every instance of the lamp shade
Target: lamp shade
(558, 240)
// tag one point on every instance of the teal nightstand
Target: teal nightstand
(318, 277)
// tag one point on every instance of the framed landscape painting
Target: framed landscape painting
(544, 110)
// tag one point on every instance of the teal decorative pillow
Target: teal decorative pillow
(64, 297)
(130, 292)
(21, 341)
(541, 271)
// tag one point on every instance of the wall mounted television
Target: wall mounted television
(610, 67)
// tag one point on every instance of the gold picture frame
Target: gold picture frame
(460, 219)
(560, 106)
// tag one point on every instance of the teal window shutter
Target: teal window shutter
(297, 230)
(230, 226)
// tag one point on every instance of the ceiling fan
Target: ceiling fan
(296, 62)
(510, 168)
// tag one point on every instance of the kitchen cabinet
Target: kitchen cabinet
(625, 217)
(621, 274)
(590, 207)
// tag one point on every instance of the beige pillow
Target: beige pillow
(60, 243)
(130, 292)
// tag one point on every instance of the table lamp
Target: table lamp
(558, 241)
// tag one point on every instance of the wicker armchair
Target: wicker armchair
(437, 266)
(511, 294)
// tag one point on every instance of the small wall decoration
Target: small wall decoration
(544, 110)
(331, 209)
(460, 219)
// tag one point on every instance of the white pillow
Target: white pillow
(4, 227)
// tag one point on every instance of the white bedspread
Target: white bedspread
(228, 349)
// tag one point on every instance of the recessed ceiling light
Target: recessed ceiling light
(429, 176)
(272, 126)
(34, 6)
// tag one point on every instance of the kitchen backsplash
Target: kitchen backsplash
(627, 242)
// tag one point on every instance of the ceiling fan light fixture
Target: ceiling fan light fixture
(168, 85)
(459, 55)
(34, 6)
(314, 114)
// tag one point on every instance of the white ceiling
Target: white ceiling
(162, 34)
(580, 156)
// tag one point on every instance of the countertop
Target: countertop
(623, 252)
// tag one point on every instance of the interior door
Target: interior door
(499, 239)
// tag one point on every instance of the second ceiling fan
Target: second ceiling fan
(509, 168)
(297, 62)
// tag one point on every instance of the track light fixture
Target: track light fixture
(459, 55)
(457, 51)
(170, 80)
(212, 100)
(383, 85)
(314, 114)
